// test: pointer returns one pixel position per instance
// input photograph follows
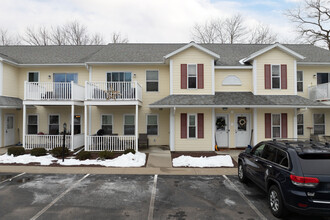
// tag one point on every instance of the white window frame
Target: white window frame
(188, 125)
(303, 131)
(271, 75)
(302, 81)
(106, 75)
(27, 122)
(107, 124)
(192, 64)
(320, 124)
(277, 126)
(156, 124)
(59, 122)
(124, 124)
(75, 124)
(27, 75)
(152, 80)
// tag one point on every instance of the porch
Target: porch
(320, 92)
(50, 142)
(110, 143)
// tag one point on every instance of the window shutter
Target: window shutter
(284, 83)
(268, 125)
(284, 123)
(183, 76)
(200, 76)
(268, 83)
(183, 125)
(200, 125)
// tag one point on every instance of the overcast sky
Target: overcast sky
(143, 20)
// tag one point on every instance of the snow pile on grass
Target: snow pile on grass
(126, 160)
(213, 161)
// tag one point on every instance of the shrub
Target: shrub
(39, 151)
(129, 151)
(16, 151)
(84, 155)
(106, 155)
(57, 151)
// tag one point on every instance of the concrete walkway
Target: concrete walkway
(159, 162)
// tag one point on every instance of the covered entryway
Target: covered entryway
(9, 130)
(222, 130)
(242, 130)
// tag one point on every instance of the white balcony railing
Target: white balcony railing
(319, 92)
(113, 91)
(110, 143)
(48, 142)
(53, 91)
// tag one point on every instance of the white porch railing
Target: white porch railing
(113, 91)
(110, 143)
(78, 141)
(53, 91)
(48, 142)
(319, 92)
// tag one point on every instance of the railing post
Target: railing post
(72, 90)
(136, 91)
(25, 89)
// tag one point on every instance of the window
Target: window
(129, 125)
(269, 153)
(119, 77)
(323, 78)
(66, 77)
(77, 124)
(54, 122)
(192, 76)
(152, 124)
(257, 151)
(276, 125)
(300, 81)
(107, 124)
(33, 77)
(282, 158)
(319, 124)
(276, 76)
(32, 124)
(152, 80)
(192, 126)
(300, 124)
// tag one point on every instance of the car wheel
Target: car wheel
(241, 173)
(276, 203)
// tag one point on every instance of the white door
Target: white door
(242, 130)
(9, 130)
(222, 130)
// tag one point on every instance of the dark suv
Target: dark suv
(295, 174)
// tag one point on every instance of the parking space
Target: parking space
(54, 196)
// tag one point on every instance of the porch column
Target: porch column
(255, 126)
(213, 130)
(136, 126)
(24, 124)
(85, 126)
(72, 126)
(295, 132)
(172, 131)
(1, 137)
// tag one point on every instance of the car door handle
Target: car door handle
(256, 160)
(269, 166)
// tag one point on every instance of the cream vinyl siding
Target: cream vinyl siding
(275, 56)
(10, 81)
(244, 75)
(192, 56)
(193, 144)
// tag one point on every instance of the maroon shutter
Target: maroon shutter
(183, 76)
(268, 83)
(200, 76)
(268, 125)
(284, 83)
(183, 125)
(200, 125)
(284, 125)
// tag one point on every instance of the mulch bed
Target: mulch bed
(175, 154)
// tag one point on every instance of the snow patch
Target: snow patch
(230, 202)
(213, 161)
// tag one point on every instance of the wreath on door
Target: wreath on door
(220, 123)
(242, 121)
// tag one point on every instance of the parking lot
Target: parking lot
(79, 196)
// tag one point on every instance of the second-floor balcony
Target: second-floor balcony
(113, 91)
(320, 92)
(49, 91)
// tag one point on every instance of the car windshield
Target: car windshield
(315, 164)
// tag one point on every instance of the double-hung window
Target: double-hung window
(276, 76)
(152, 80)
(54, 124)
(276, 125)
(192, 76)
(107, 124)
(300, 124)
(319, 124)
(300, 81)
(33, 77)
(152, 124)
(77, 124)
(129, 125)
(32, 124)
(192, 126)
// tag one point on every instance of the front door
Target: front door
(9, 130)
(222, 130)
(242, 130)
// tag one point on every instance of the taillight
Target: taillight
(304, 181)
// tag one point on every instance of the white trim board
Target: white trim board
(192, 44)
(236, 106)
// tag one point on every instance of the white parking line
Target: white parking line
(57, 198)
(246, 199)
(152, 200)
(10, 179)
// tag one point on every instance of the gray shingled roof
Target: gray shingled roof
(237, 99)
(10, 102)
(230, 54)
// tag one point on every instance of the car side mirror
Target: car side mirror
(248, 150)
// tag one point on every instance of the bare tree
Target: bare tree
(76, 33)
(313, 21)
(235, 29)
(117, 38)
(261, 34)
(40, 36)
(58, 36)
(207, 32)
